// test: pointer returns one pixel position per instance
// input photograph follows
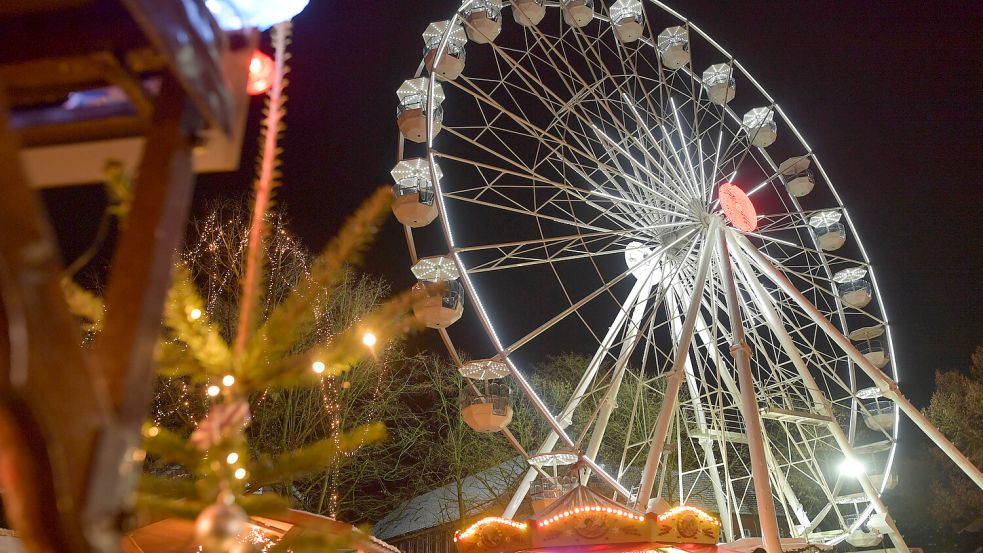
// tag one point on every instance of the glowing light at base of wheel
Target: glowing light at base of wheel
(738, 208)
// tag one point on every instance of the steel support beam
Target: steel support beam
(887, 386)
(676, 374)
(765, 304)
(749, 408)
(577, 396)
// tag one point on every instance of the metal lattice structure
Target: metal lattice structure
(580, 154)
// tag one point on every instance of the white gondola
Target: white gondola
(484, 20)
(829, 231)
(673, 46)
(438, 297)
(451, 62)
(799, 180)
(860, 538)
(879, 415)
(760, 126)
(545, 491)
(528, 13)
(720, 83)
(413, 193)
(577, 13)
(411, 112)
(852, 288)
(873, 349)
(490, 409)
(627, 16)
(889, 483)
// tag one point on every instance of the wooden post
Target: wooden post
(138, 284)
(53, 401)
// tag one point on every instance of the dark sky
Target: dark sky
(888, 93)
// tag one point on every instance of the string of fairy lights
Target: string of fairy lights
(215, 256)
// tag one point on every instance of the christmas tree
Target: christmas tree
(257, 331)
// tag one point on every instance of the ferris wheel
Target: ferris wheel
(606, 179)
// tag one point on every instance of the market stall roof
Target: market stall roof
(175, 535)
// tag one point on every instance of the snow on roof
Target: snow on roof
(440, 506)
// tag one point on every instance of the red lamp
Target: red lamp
(738, 208)
(260, 74)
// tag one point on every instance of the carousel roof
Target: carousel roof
(581, 497)
(584, 519)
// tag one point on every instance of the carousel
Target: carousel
(585, 520)
(582, 520)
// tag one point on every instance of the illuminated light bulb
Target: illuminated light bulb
(153, 431)
(214, 390)
(317, 367)
(261, 69)
(851, 467)
(232, 458)
(369, 339)
(228, 380)
(195, 314)
(240, 473)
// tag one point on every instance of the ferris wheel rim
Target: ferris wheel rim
(476, 297)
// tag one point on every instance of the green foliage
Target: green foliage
(315, 440)
(185, 316)
(313, 458)
(295, 315)
(935, 500)
(84, 304)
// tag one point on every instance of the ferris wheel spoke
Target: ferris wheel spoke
(606, 287)
(600, 99)
(536, 131)
(581, 194)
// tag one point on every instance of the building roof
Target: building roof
(440, 506)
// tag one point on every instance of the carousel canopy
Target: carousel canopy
(585, 520)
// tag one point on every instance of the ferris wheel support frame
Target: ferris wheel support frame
(749, 407)
(887, 386)
(578, 394)
(761, 298)
(676, 374)
(723, 507)
(610, 399)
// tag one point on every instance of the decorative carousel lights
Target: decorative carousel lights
(584, 519)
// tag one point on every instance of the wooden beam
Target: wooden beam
(138, 283)
(53, 404)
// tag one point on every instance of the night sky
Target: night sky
(888, 93)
